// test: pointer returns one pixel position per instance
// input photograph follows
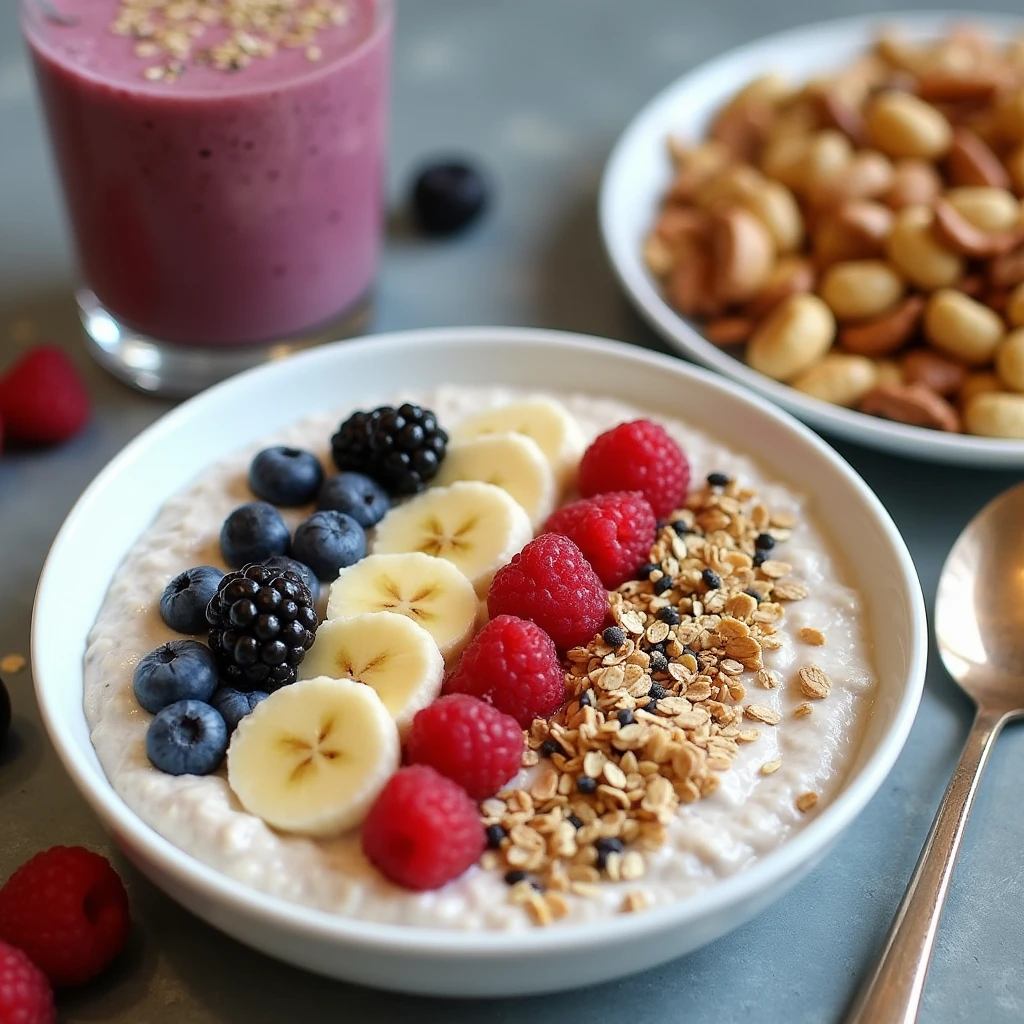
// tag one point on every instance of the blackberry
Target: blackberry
(402, 449)
(262, 622)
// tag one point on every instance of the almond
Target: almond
(972, 162)
(915, 404)
(885, 334)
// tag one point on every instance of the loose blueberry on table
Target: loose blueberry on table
(449, 196)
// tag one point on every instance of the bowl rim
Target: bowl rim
(653, 119)
(429, 942)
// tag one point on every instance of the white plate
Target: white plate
(639, 172)
(124, 498)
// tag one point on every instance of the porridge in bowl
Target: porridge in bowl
(617, 660)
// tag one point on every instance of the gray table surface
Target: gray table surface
(539, 90)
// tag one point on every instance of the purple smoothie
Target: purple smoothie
(224, 207)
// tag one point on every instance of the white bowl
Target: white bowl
(124, 498)
(638, 174)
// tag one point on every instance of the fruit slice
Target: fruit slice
(543, 420)
(513, 462)
(476, 526)
(430, 591)
(389, 652)
(313, 756)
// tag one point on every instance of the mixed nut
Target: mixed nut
(863, 234)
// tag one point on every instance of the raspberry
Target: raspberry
(550, 582)
(25, 995)
(467, 741)
(615, 531)
(513, 664)
(67, 910)
(423, 830)
(637, 456)
(42, 398)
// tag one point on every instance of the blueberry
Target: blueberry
(234, 705)
(253, 533)
(711, 579)
(646, 569)
(764, 542)
(663, 584)
(669, 615)
(625, 717)
(718, 480)
(659, 663)
(328, 541)
(495, 835)
(657, 692)
(179, 670)
(5, 714)
(187, 738)
(285, 476)
(183, 605)
(586, 785)
(357, 496)
(446, 197)
(614, 636)
(283, 563)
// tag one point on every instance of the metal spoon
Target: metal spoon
(979, 626)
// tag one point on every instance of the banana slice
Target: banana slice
(476, 526)
(513, 462)
(389, 652)
(313, 756)
(430, 591)
(543, 420)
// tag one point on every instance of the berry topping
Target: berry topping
(285, 476)
(262, 622)
(253, 533)
(625, 717)
(718, 480)
(515, 876)
(67, 910)
(645, 570)
(659, 663)
(551, 583)
(615, 532)
(446, 197)
(711, 579)
(586, 785)
(512, 664)
(669, 615)
(467, 741)
(187, 738)
(178, 670)
(496, 835)
(764, 542)
(662, 584)
(328, 542)
(183, 605)
(357, 495)
(637, 456)
(400, 448)
(657, 691)
(25, 994)
(5, 714)
(614, 636)
(282, 563)
(423, 830)
(42, 398)
(234, 705)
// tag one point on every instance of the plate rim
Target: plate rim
(432, 943)
(908, 441)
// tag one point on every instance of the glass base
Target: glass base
(178, 371)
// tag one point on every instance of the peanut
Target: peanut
(966, 329)
(694, 166)
(742, 127)
(978, 384)
(914, 183)
(839, 113)
(727, 188)
(889, 372)
(828, 154)
(911, 403)
(1015, 307)
(1010, 360)
(936, 371)
(792, 338)
(839, 378)
(867, 175)
(885, 334)
(916, 253)
(990, 209)
(783, 159)
(995, 414)
(742, 255)
(861, 288)
(790, 276)
(775, 206)
(902, 125)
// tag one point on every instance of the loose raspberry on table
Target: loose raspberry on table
(551, 583)
(25, 994)
(637, 456)
(512, 664)
(615, 531)
(423, 830)
(67, 909)
(468, 741)
(42, 398)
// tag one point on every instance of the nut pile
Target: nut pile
(862, 234)
(656, 706)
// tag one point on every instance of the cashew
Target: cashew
(861, 288)
(839, 378)
(995, 414)
(775, 206)
(966, 329)
(978, 384)
(915, 252)
(792, 338)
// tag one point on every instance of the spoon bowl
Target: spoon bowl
(979, 608)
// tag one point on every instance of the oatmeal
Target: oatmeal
(705, 742)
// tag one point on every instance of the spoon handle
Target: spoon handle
(892, 994)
